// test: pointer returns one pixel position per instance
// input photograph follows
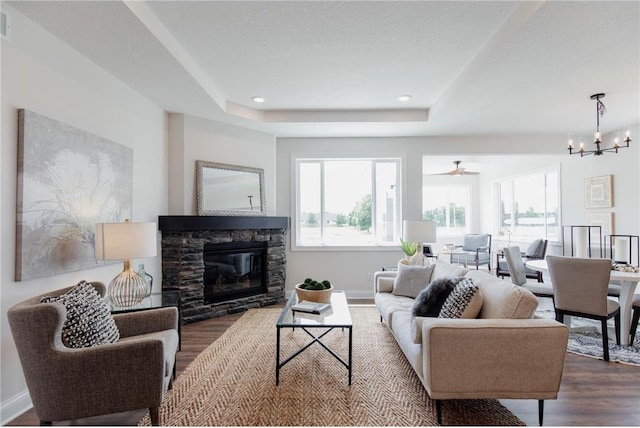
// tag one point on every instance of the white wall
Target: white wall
(192, 138)
(42, 74)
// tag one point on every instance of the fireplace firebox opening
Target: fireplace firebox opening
(234, 270)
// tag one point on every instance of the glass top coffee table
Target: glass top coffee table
(337, 316)
(162, 299)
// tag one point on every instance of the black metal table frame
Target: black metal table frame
(315, 339)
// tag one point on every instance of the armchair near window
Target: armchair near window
(72, 383)
(536, 250)
(476, 250)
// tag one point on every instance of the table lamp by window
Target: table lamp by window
(126, 241)
(419, 231)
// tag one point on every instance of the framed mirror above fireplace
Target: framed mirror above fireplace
(229, 190)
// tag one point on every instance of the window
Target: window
(449, 206)
(347, 202)
(530, 205)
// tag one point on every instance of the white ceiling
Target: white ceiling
(335, 68)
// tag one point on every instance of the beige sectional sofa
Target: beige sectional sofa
(504, 353)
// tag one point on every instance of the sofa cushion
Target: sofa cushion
(444, 269)
(410, 280)
(430, 300)
(388, 304)
(403, 331)
(465, 301)
(501, 299)
(89, 321)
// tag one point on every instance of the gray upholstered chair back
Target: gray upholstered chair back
(537, 249)
(580, 285)
(472, 242)
(515, 265)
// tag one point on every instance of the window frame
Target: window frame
(555, 168)
(297, 159)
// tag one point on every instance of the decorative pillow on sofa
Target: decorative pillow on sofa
(430, 300)
(410, 280)
(465, 301)
(89, 321)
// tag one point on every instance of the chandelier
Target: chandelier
(600, 110)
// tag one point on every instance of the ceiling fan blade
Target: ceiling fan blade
(457, 171)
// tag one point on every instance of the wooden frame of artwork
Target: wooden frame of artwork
(602, 219)
(598, 192)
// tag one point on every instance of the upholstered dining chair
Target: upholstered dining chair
(634, 319)
(536, 250)
(517, 272)
(580, 288)
(475, 249)
(133, 371)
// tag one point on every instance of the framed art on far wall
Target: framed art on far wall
(598, 192)
(602, 219)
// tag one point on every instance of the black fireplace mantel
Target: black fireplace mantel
(181, 223)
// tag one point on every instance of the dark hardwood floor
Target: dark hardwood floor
(593, 392)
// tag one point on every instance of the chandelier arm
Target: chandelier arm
(598, 151)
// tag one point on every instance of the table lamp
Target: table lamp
(419, 231)
(126, 241)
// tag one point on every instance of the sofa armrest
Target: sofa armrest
(493, 358)
(148, 321)
(383, 281)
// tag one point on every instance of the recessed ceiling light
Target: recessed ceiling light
(404, 98)
(258, 99)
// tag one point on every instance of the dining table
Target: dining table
(627, 282)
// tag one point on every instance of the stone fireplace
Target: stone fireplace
(223, 265)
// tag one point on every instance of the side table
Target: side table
(162, 299)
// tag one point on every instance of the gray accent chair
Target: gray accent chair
(517, 272)
(580, 289)
(476, 250)
(65, 383)
(536, 250)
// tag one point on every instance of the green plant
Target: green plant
(311, 284)
(409, 248)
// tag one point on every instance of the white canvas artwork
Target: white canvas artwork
(68, 180)
(597, 192)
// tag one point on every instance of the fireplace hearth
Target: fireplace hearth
(223, 265)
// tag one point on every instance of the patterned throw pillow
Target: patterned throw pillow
(89, 321)
(465, 301)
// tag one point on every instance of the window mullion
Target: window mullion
(322, 202)
(374, 199)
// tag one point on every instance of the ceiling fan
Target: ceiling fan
(458, 170)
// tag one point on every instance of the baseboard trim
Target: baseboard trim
(14, 407)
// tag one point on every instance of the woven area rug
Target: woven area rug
(232, 382)
(587, 340)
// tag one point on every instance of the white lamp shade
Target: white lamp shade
(125, 241)
(419, 231)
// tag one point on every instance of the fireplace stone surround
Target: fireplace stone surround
(183, 241)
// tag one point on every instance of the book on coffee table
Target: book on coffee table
(310, 307)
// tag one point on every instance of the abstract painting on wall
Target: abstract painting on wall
(68, 180)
